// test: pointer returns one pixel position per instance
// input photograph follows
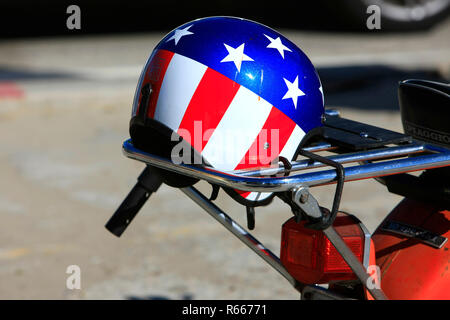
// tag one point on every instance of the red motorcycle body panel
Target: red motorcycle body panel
(410, 268)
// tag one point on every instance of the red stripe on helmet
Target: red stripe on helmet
(243, 193)
(270, 141)
(263, 151)
(211, 99)
(154, 75)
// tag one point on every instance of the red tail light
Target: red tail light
(310, 257)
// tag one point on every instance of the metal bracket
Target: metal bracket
(310, 206)
(352, 261)
(307, 202)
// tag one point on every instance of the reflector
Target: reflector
(310, 257)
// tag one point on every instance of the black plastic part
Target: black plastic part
(355, 135)
(214, 192)
(287, 165)
(148, 182)
(425, 110)
(250, 218)
(145, 97)
(154, 137)
(429, 187)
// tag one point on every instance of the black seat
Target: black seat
(425, 110)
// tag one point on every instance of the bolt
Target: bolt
(304, 197)
(301, 195)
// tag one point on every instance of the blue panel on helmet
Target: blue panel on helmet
(262, 67)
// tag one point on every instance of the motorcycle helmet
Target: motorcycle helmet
(229, 93)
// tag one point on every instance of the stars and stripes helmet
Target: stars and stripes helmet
(236, 92)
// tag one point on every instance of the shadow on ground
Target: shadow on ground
(22, 74)
(364, 87)
(368, 87)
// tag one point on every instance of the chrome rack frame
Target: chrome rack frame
(427, 156)
(374, 163)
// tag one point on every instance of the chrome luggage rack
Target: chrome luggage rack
(417, 156)
(374, 162)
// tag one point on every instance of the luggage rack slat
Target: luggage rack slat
(440, 157)
(345, 158)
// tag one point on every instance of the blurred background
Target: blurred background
(65, 103)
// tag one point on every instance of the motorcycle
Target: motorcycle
(328, 254)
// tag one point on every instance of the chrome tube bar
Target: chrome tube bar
(239, 232)
(345, 158)
(320, 147)
(276, 184)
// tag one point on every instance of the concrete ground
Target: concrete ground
(64, 110)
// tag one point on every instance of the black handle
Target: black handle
(148, 182)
